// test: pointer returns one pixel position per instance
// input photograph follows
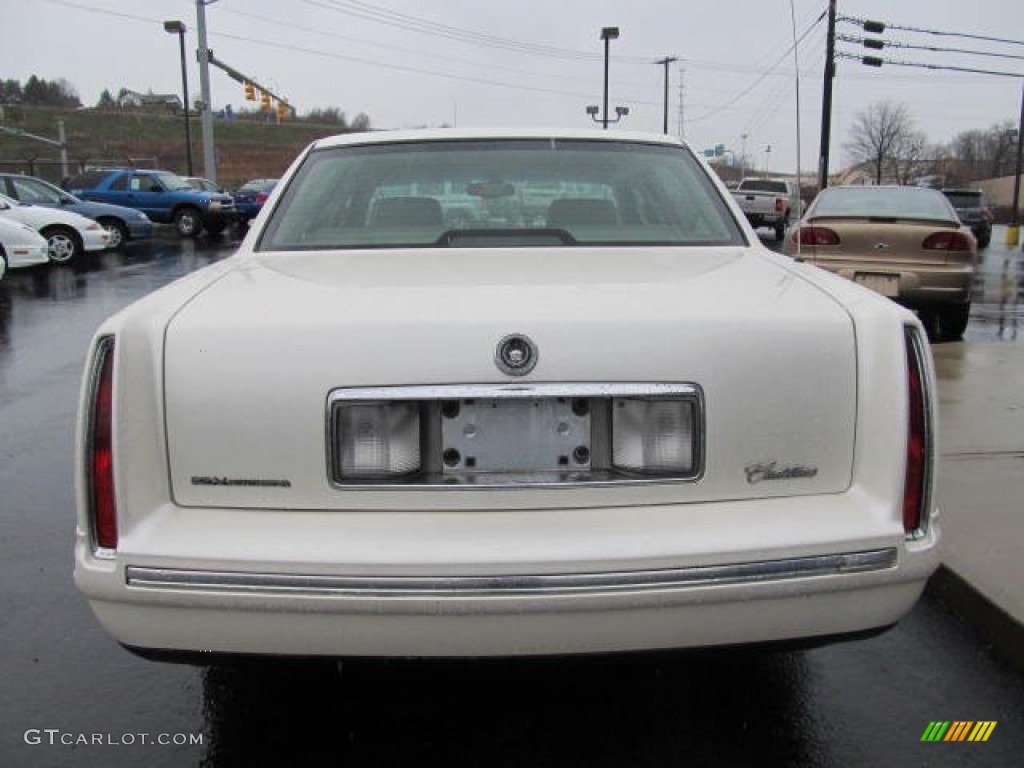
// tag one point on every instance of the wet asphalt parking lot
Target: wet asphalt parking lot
(71, 696)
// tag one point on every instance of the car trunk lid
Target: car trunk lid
(250, 363)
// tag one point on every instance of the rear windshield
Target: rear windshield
(883, 202)
(966, 199)
(467, 193)
(762, 185)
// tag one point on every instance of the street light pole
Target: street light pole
(178, 28)
(1013, 235)
(206, 113)
(665, 62)
(607, 34)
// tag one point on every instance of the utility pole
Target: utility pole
(826, 98)
(665, 62)
(682, 128)
(209, 154)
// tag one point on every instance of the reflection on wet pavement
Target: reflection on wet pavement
(997, 312)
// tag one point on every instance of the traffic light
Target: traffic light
(283, 111)
(265, 100)
(250, 91)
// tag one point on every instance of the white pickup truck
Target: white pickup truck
(768, 202)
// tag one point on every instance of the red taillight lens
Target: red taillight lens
(986, 214)
(816, 236)
(261, 197)
(946, 241)
(780, 205)
(102, 508)
(917, 481)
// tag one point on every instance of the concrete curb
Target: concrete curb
(996, 625)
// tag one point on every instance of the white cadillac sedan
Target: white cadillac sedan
(467, 393)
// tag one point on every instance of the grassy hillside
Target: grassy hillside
(245, 149)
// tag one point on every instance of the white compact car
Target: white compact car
(68, 234)
(503, 393)
(20, 246)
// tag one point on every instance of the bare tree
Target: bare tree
(879, 134)
(910, 157)
(985, 154)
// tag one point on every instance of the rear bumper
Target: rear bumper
(919, 285)
(325, 613)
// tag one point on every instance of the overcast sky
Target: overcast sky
(409, 63)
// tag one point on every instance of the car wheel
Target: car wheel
(65, 245)
(188, 222)
(984, 240)
(118, 232)
(953, 321)
(780, 231)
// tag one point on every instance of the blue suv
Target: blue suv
(161, 195)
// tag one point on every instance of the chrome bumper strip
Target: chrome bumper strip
(517, 585)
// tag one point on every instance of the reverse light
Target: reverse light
(816, 236)
(654, 436)
(946, 241)
(100, 448)
(920, 438)
(377, 440)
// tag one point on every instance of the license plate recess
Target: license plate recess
(887, 285)
(515, 434)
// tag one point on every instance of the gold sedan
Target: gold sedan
(906, 243)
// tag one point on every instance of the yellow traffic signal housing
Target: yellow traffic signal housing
(265, 99)
(283, 111)
(250, 91)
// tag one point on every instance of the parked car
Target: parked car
(68, 235)
(907, 243)
(205, 185)
(163, 196)
(21, 246)
(769, 203)
(973, 209)
(123, 224)
(476, 393)
(250, 197)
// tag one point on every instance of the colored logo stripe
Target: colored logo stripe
(982, 731)
(958, 730)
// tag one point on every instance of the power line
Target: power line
(880, 43)
(922, 65)
(938, 33)
(760, 79)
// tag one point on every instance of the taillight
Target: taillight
(261, 197)
(986, 214)
(816, 236)
(780, 205)
(920, 438)
(100, 449)
(946, 241)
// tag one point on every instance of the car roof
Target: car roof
(455, 134)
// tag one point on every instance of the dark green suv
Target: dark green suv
(972, 208)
